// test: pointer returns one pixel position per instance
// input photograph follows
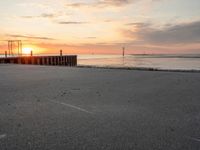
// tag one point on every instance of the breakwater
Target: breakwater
(65, 60)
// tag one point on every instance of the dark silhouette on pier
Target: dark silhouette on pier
(13, 58)
(10, 47)
(67, 60)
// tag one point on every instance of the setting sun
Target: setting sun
(26, 50)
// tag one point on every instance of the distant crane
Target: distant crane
(10, 47)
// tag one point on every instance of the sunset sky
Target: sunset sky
(102, 26)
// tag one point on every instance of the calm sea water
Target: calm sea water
(171, 62)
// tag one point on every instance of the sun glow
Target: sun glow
(26, 50)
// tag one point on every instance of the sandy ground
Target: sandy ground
(58, 108)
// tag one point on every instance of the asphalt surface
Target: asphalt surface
(60, 108)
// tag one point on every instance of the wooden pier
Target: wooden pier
(65, 60)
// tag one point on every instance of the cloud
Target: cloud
(71, 22)
(114, 2)
(102, 3)
(91, 37)
(173, 34)
(29, 37)
(28, 17)
(138, 24)
(78, 4)
(44, 15)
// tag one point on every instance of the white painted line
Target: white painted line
(2, 136)
(72, 106)
(194, 139)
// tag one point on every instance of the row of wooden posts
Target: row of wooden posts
(70, 60)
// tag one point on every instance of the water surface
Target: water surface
(169, 62)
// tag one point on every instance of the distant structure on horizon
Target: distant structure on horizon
(123, 51)
(11, 44)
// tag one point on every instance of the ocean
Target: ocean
(166, 62)
(163, 61)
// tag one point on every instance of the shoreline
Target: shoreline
(116, 68)
(139, 68)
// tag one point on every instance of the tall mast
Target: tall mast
(123, 51)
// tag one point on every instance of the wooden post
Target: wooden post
(51, 60)
(6, 54)
(15, 60)
(38, 60)
(47, 60)
(43, 61)
(70, 60)
(61, 52)
(62, 60)
(76, 60)
(32, 60)
(26, 60)
(67, 61)
(19, 60)
(57, 60)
